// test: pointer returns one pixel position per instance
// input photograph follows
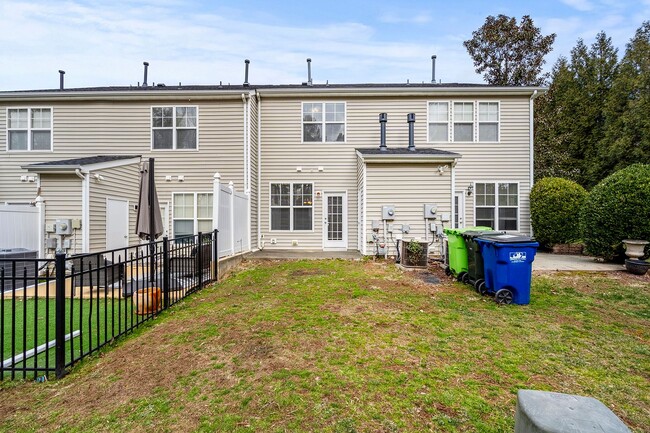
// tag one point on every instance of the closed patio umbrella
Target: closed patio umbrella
(148, 224)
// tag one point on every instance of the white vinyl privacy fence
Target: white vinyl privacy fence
(232, 210)
(19, 226)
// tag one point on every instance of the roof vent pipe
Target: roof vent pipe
(247, 62)
(146, 69)
(433, 69)
(309, 82)
(61, 74)
(410, 118)
(383, 118)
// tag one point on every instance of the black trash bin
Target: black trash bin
(475, 275)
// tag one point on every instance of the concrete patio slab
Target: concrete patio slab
(560, 262)
(304, 254)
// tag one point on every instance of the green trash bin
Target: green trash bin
(457, 250)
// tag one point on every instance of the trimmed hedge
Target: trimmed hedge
(555, 205)
(617, 208)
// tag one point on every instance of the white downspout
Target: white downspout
(453, 195)
(40, 205)
(85, 210)
(531, 150)
(246, 153)
(259, 170)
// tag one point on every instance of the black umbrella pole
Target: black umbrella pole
(152, 224)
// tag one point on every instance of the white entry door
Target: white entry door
(459, 209)
(335, 220)
(117, 223)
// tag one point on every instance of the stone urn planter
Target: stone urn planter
(634, 249)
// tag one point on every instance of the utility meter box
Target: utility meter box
(430, 211)
(388, 212)
(63, 227)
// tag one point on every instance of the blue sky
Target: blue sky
(101, 43)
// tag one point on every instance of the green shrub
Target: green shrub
(617, 208)
(555, 205)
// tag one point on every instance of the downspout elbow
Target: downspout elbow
(79, 174)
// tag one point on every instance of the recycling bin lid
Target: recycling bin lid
(471, 234)
(466, 229)
(508, 238)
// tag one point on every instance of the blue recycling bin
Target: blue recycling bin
(508, 264)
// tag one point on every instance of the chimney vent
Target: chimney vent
(433, 69)
(383, 118)
(61, 74)
(146, 70)
(247, 63)
(309, 82)
(410, 118)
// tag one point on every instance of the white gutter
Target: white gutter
(85, 210)
(399, 90)
(111, 95)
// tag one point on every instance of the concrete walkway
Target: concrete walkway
(560, 262)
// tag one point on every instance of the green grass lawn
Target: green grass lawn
(32, 324)
(342, 346)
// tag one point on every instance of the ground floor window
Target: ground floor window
(497, 205)
(192, 213)
(292, 206)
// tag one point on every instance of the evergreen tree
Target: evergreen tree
(627, 137)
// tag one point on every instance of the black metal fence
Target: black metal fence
(54, 313)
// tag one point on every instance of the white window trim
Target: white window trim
(478, 121)
(496, 201)
(449, 136)
(174, 128)
(291, 207)
(30, 129)
(452, 120)
(323, 122)
(195, 218)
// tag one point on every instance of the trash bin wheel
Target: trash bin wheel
(461, 276)
(503, 297)
(465, 278)
(447, 270)
(482, 288)
(477, 284)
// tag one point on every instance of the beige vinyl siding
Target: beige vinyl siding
(283, 152)
(86, 128)
(117, 183)
(508, 160)
(254, 142)
(409, 187)
(62, 196)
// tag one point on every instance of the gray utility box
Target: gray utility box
(552, 412)
(388, 212)
(430, 211)
(26, 265)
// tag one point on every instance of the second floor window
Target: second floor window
(488, 121)
(174, 128)
(323, 122)
(438, 121)
(29, 129)
(463, 121)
